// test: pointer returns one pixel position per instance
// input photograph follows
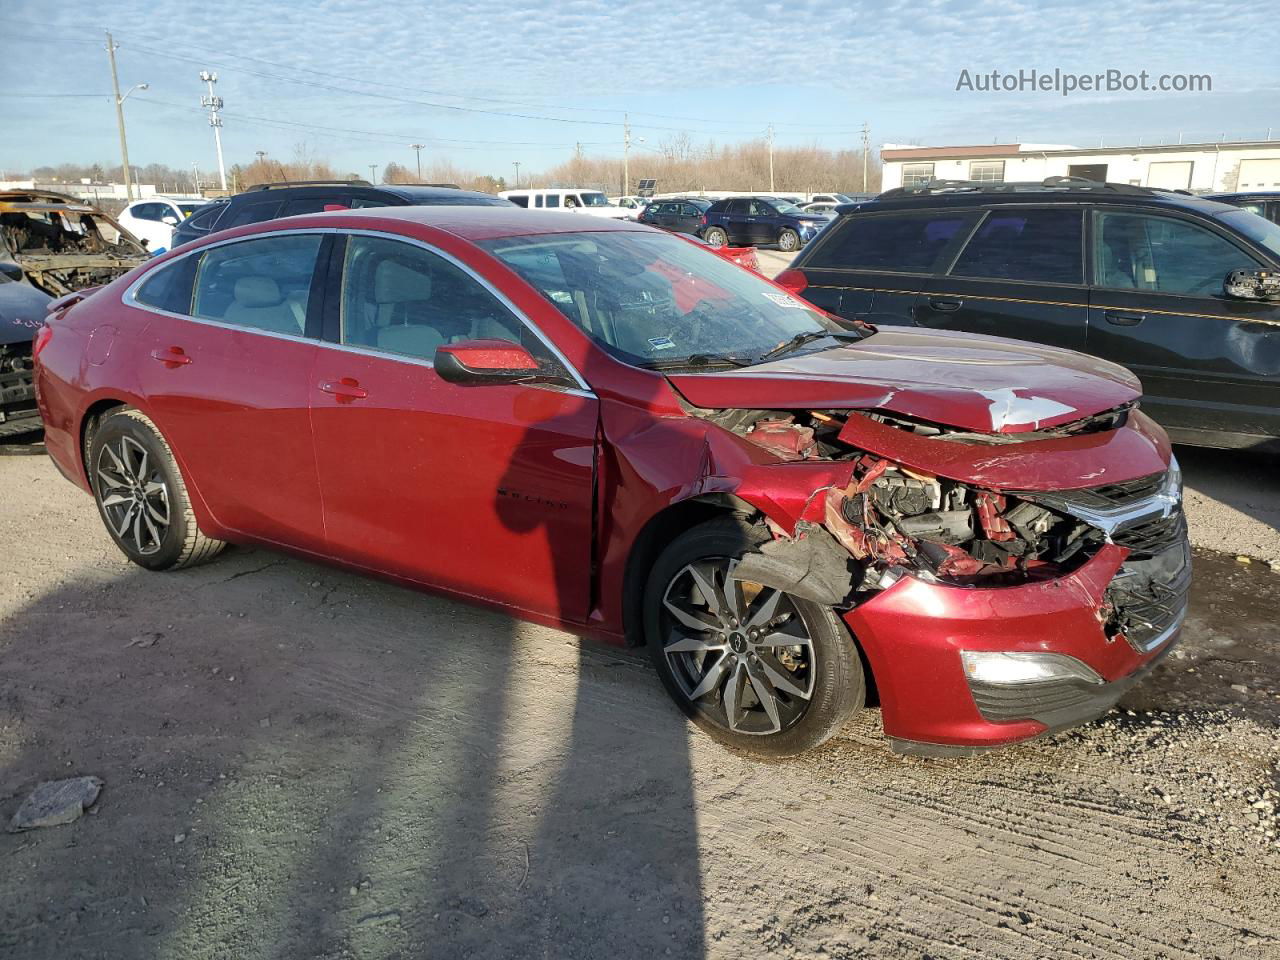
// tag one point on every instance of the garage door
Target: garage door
(1169, 174)
(1258, 175)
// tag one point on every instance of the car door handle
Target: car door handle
(346, 389)
(1122, 319)
(172, 356)
(945, 306)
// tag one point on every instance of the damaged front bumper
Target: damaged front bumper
(914, 635)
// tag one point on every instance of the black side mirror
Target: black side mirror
(1252, 285)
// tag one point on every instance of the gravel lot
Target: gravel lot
(303, 763)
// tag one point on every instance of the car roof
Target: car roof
(412, 192)
(471, 222)
(1036, 194)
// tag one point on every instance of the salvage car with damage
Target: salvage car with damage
(602, 427)
(50, 245)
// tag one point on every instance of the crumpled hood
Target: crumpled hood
(22, 309)
(968, 381)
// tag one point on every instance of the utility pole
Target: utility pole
(373, 173)
(124, 143)
(214, 103)
(517, 166)
(769, 137)
(626, 155)
(195, 176)
(866, 145)
(417, 150)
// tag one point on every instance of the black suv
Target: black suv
(1182, 290)
(679, 215)
(269, 201)
(751, 221)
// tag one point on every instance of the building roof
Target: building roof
(910, 154)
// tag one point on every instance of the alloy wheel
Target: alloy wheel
(788, 241)
(133, 494)
(738, 650)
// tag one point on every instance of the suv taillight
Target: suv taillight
(704, 219)
(793, 281)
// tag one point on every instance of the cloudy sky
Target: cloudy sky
(487, 83)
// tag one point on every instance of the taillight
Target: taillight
(43, 336)
(704, 219)
(792, 280)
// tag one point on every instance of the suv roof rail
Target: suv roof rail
(280, 185)
(1046, 185)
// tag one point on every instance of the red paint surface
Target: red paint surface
(532, 499)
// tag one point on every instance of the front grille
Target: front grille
(1005, 703)
(1149, 597)
(1146, 538)
(1109, 496)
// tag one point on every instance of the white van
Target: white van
(573, 199)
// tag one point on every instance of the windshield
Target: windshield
(659, 300)
(189, 208)
(785, 206)
(1258, 229)
(595, 200)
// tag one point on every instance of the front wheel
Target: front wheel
(758, 669)
(141, 496)
(788, 240)
(716, 237)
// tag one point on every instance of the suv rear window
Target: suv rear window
(906, 243)
(1035, 245)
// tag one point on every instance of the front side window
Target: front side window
(916, 174)
(656, 300)
(759, 208)
(909, 243)
(1034, 245)
(593, 199)
(1163, 255)
(148, 211)
(399, 298)
(987, 171)
(263, 283)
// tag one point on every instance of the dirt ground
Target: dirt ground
(300, 763)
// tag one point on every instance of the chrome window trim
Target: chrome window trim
(129, 298)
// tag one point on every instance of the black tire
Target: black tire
(716, 237)
(788, 240)
(140, 494)
(829, 666)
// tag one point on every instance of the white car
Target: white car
(573, 199)
(154, 218)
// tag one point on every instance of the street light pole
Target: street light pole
(373, 172)
(517, 166)
(115, 89)
(770, 138)
(417, 150)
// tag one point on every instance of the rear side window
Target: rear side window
(519, 201)
(261, 283)
(1035, 245)
(169, 287)
(251, 213)
(204, 217)
(553, 200)
(313, 205)
(910, 243)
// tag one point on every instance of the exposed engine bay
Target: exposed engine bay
(62, 245)
(894, 519)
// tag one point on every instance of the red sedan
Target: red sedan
(603, 427)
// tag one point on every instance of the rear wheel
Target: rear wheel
(753, 666)
(716, 237)
(141, 496)
(788, 240)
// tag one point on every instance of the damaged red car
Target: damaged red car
(605, 428)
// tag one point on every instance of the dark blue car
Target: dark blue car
(753, 221)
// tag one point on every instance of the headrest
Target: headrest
(393, 282)
(257, 292)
